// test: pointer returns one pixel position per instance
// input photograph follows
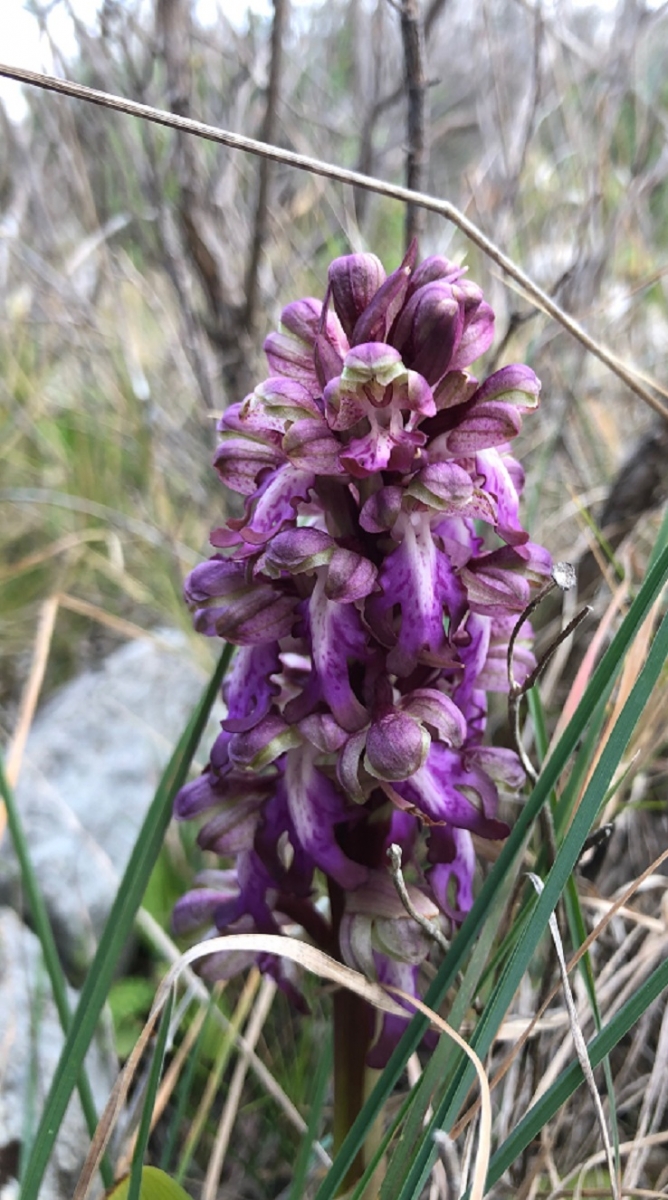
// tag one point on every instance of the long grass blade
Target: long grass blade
(118, 927)
(316, 1103)
(555, 883)
(570, 1079)
(54, 969)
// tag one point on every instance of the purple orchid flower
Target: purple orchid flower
(372, 585)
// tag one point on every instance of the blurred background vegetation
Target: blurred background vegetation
(140, 270)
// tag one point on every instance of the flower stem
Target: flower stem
(354, 1024)
(353, 1030)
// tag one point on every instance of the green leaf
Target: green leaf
(116, 932)
(154, 1185)
(54, 969)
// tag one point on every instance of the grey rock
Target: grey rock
(94, 757)
(31, 1040)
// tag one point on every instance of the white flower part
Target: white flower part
(564, 576)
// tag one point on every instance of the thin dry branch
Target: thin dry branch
(269, 126)
(393, 191)
(412, 34)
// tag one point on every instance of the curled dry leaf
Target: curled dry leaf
(319, 964)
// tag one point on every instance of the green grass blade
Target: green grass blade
(554, 885)
(571, 1078)
(566, 802)
(661, 541)
(574, 911)
(52, 963)
(316, 1102)
(388, 1136)
(144, 1131)
(579, 935)
(463, 943)
(115, 935)
(443, 1061)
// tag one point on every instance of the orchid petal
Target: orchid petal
(336, 635)
(248, 691)
(316, 806)
(240, 459)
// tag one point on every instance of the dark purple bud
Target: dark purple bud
(302, 319)
(290, 351)
(196, 909)
(429, 329)
(444, 486)
(196, 797)
(231, 418)
(478, 327)
(457, 387)
(276, 404)
(232, 830)
(379, 513)
(491, 590)
(484, 425)
(396, 746)
(438, 712)
(213, 579)
(378, 317)
(298, 550)
(530, 559)
(354, 281)
(258, 613)
(435, 268)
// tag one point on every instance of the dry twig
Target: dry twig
(315, 166)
